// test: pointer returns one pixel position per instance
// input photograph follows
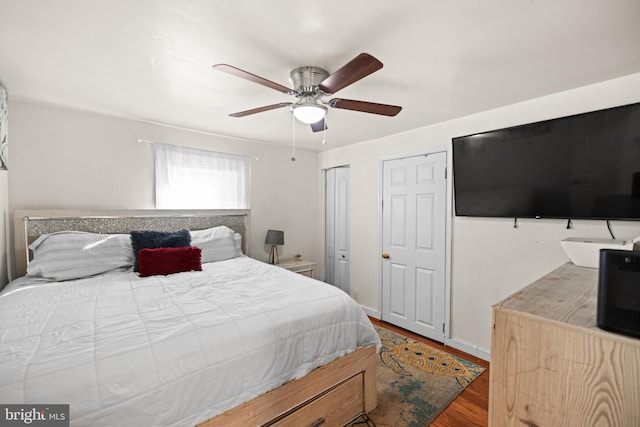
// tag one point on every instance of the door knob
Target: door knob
(385, 255)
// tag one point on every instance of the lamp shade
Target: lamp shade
(274, 237)
(309, 112)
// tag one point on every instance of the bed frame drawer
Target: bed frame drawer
(331, 395)
(336, 407)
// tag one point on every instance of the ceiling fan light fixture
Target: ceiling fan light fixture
(309, 112)
(310, 84)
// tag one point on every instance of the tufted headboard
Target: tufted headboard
(30, 224)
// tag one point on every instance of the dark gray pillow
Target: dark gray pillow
(158, 239)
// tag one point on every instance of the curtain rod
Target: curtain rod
(147, 141)
(231, 138)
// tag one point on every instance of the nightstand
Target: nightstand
(303, 267)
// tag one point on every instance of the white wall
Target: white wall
(4, 216)
(62, 158)
(490, 259)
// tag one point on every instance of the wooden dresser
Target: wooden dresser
(550, 363)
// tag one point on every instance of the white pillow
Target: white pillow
(72, 255)
(217, 243)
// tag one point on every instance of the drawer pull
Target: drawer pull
(317, 423)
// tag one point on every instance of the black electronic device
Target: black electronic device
(619, 292)
(585, 166)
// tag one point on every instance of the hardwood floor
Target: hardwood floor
(471, 407)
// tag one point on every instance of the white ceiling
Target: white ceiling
(151, 60)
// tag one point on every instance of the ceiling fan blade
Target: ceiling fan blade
(260, 109)
(252, 77)
(319, 126)
(359, 67)
(365, 107)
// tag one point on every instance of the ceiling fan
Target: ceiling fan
(311, 84)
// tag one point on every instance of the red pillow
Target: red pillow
(168, 260)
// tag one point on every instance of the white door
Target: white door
(413, 243)
(337, 228)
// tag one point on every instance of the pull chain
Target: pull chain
(324, 133)
(293, 133)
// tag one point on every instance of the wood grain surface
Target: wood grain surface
(552, 366)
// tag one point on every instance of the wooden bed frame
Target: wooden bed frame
(334, 394)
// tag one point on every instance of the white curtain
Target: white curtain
(187, 178)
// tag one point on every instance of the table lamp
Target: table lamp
(274, 238)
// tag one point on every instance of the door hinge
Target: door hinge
(443, 328)
(445, 173)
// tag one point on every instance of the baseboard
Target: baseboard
(458, 345)
(469, 349)
(371, 312)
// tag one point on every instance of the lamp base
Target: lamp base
(273, 256)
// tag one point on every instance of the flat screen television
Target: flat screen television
(585, 166)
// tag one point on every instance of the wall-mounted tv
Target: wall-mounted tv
(585, 166)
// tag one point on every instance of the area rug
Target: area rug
(416, 381)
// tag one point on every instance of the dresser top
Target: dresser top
(568, 295)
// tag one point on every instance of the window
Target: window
(187, 178)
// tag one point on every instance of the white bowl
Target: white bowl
(586, 252)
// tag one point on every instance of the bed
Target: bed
(239, 342)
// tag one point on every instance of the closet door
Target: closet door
(337, 228)
(329, 227)
(414, 243)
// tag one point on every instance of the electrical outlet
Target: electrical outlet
(356, 294)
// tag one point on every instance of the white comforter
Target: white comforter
(170, 350)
